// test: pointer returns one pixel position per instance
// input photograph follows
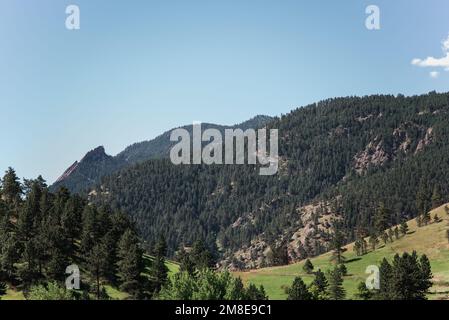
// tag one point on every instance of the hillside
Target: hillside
(340, 159)
(87, 172)
(430, 240)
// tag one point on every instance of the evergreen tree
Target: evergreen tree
(256, 294)
(9, 254)
(159, 271)
(336, 290)
(382, 219)
(308, 267)
(343, 270)
(130, 263)
(337, 246)
(236, 291)
(97, 263)
(363, 292)
(390, 235)
(426, 274)
(298, 291)
(396, 233)
(385, 280)
(11, 188)
(202, 256)
(319, 286)
(186, 264)
(373, 241)
(404, 228)
(384, 238)
(436, 197)
(57, 265)
(410, 277)
(3, 289)
(357, 248)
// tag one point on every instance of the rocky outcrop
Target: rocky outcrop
(374, 154)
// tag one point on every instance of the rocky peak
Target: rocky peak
(96, 154)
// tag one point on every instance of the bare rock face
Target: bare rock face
(373, 155)
(309, 238)
(427, 140)
(404, 141)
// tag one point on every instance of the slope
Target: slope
(430, 240)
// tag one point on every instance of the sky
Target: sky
(137, 68)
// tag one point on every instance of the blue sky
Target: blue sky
(137, 68)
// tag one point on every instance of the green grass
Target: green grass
(430, 240)
(172, 266)
(12, 295)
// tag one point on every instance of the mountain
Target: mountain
(341, 161)
(82, 175)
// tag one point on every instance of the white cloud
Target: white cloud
(433, 62)
(434, 74)
(445, 44)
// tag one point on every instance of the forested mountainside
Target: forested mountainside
(343, 159)
(82, 175)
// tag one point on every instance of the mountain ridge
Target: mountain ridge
(84, 174)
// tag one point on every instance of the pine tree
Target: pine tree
(426, 218)
(97, 264)
(298, 291)
(3, 289)
(343, 270)
(426, 274)
(9, 254)
(185, 262)
(384, 237)
(57, 265)
(11, 188)
(318, 287)
(337, 246)
(396, 233)
(202, 256)
(390, 235)
(130, 263)
(363, 292)
(236, 291)
(419, 220)
(423, 203)
(385, 281)
(404, 228)
(308, 267)
(364, 246)
(373, 241)
(159, 271)
(255, 294)
(411, 278)
(436, 197)
(29, 213)
(336, 290)
(382, 218)
(357, 248)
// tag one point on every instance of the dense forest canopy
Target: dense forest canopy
(354, 153)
